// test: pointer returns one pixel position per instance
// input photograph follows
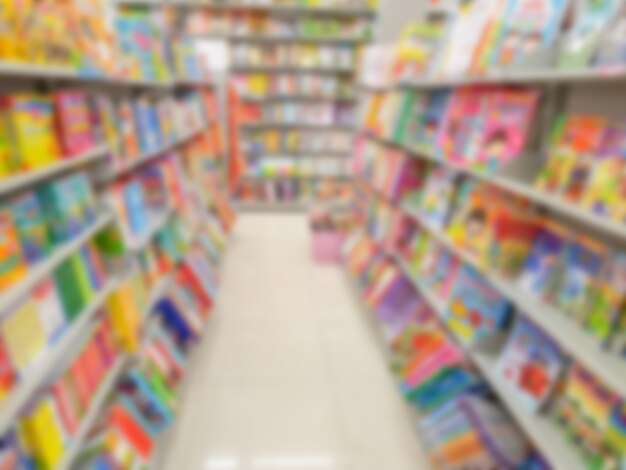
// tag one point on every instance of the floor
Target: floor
(289, 375)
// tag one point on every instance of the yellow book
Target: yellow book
(24, 335)
(44, 434)
(125, 316)
(29, 121)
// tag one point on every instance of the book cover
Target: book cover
(12, 264)
(50, 309)
(31, 225)
(8, 375)
(527, 27)
(24, 335)
(475, 309)
(605, 188)
(438, 196)
(434, 117)
(514, 235)
(124, 317)
(608, 297)
(592, 20)
(610, 53)
(72, 120)
(582, 262)
(531, 364)
(542, 265)
(462, 114)
(507, 123)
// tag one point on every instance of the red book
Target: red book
(137, 437)
(81, 381)
(62, 393)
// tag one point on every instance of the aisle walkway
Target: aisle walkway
(289, 376)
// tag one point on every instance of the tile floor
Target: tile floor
(289, 375)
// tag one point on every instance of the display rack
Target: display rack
(584, 91)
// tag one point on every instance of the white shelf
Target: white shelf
(580, 344)
(31, 178)
(136, 243)
(96, 407)
(38, 272)
(299, 154)
(536, 196)
(20, 396)
(537, 77)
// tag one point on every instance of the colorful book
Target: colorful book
(610, 53)
(12, 265)
(582, 262)
(31, 225)
(73, 122)
(50, 309)
(437, 197)
(475, 309)
(531, 364)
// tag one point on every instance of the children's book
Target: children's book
(435, 111)
(608, 298)
(443, 276)
(528, 26)
(437, 196)
(507, 123)
(592, 20)
(542, 265)
(12, 265)
(462, 116)
(50, 309)
(72, 122)
(531, 364)
(475, 309)
(30, 222)
(514, 235)
(582, 262)
(610, 53)
(577, 139)
(605, 190)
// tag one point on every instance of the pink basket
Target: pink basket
(327, 246)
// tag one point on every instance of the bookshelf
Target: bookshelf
(324, 31)
(96, 286)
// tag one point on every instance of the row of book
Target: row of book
(288, 190)
(322, 114)
(39, 130)
(77, 35)
(279, 167)
(484, 35)
(480, 128)
(48, 427)
(485, 129)
(499, 232)
(293, 55)
(431, 356)
(286, 84)
(256, 24)
(34, 223)
(313, 141)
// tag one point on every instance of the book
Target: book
(50, 309)
(514, 233)
(608, 297)
(604, 189)
(509, 114)
(610, 53)
(8, 375)
(71, 279)
(437, 196)
(576, 140)
(592, 20)
(531, 364)
(124, 316)
(582, 262)
(24, 335)
(73, 126)
(29, 121)
(12, 263)
(475, 309)
(434, 116)
(31, 225)
(542, 265)
(527, 27)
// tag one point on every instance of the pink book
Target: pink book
(508, 117)
(448, 355)
(73, 122)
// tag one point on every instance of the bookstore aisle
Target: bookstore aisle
(289, 375)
